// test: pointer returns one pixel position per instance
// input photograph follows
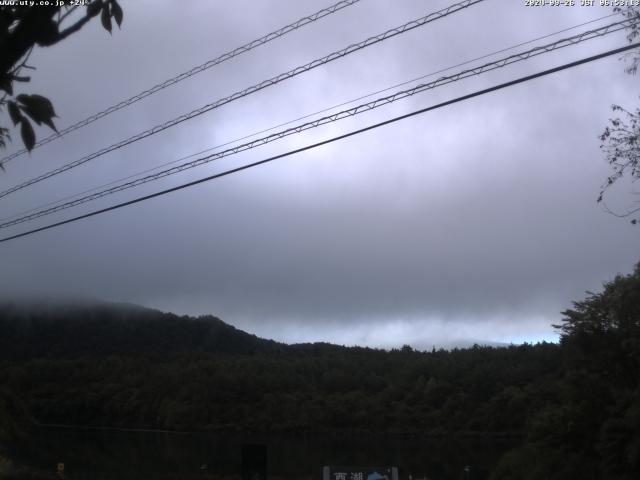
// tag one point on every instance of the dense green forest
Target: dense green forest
(574, 407)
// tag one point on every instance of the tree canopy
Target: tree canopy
(572, 407)
(614, 311)
(22, 28)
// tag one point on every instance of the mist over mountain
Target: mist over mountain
(69, 328)
(76, 328)
(571, 407)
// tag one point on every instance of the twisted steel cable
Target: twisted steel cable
(189, 73)
(330, 140)
(248, 91)
(303, 117)
(487, 67)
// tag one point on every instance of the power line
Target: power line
(517, 57)
(331, 140)
(189, 73)
(255, 88)
(289, 122)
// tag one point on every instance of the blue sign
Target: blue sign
(359, 473)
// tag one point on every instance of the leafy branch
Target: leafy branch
(621, 138)
(621, 145)
(21, 29)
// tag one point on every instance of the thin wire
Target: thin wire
(184, 75)
(331, 140)
(487, 67)
(422, 77)
(255, 88)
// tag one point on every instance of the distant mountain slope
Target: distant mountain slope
(78, 329)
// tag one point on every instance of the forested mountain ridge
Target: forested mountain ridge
(97, 329)
(574, 406)
(124, 366)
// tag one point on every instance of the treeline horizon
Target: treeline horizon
(574, 406)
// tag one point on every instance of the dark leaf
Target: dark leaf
(40, 120)
(106, 18)
(116, 11)
(35, 116)
(14, 112)
(47, 32)
(4, 28)
(49, 123)
(28, 136)
(38, 108)
(39, 103)
(6, 84)
(94, 8)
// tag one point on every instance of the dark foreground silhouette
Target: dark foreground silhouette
(573, 408)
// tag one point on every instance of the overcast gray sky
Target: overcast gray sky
(475, 222)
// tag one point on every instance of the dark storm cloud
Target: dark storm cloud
(474, 222)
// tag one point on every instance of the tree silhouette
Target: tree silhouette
(22, 28)
(621, 139)
(614, 312)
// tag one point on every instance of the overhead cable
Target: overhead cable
(255, 88)
(487, 67)
(289, 122)
(330, 140)
(189, 73)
